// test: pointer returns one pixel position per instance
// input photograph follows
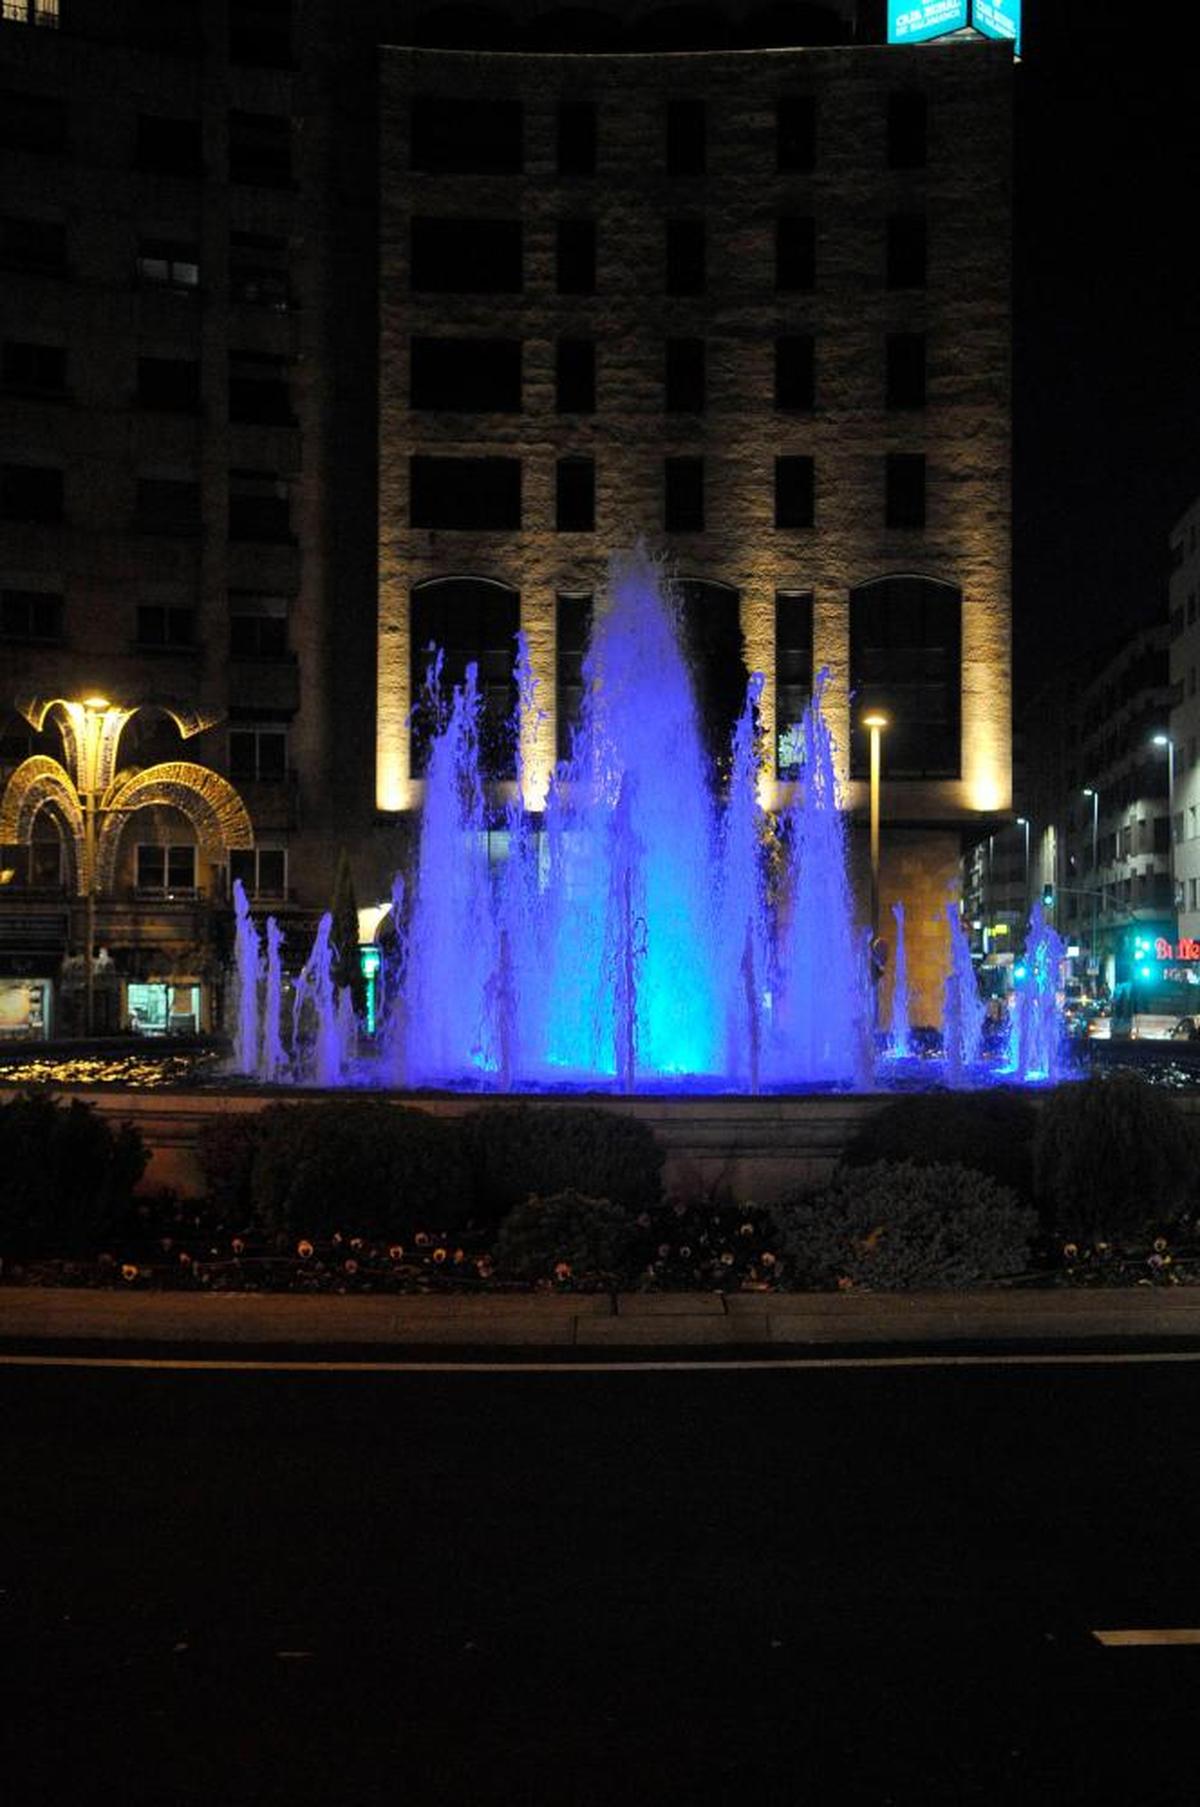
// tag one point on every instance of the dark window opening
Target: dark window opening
(260, 149)
(168, 505)
(164, 627)
(904, 503)
(31, 492)
(683, 495)
(481, 495)
(260, 390)
(259, 507)
(686, 272)
(257, 625)
(795, 134)
(258, 755)
(164, 871)
(575, 376)
(34, 369)
(471, 623)
(905, 387)
(685, 376)
(795, 373)
(793, 677)
(465, 376)
(575, 257)
(577, 138)
(168, 147)
(461, 137)
(573, 623)
(31, 122)
(258, 270)
(687, 137)
(262, 870)
(710, 615)
(795, 253)
(575, 495)
(168, 383)
(260, 34)
(905, 658)
(907, 251)
(31, 615)
(794, 492)
(907, 131)
(466, 256)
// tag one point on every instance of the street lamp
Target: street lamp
(1023, 822)
(875, 721)
(1165, 740)
(1095, 797)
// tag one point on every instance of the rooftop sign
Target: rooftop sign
(916, 21)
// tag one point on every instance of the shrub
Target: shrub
(66, 1177)
(898, 1225)
(708, 1242)
(517, 1150)
(366, 1167)
(991, 1132)
(226, 1147)
(566, 1237)
(1113, 1157)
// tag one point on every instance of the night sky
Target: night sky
(1107, 342)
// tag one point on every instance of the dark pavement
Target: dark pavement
(823, 1586)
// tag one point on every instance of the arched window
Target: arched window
(716, 652)
(906, 658)
(471, 621)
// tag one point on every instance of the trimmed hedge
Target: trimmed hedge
(990, 1132)
(567, 1237)
(516, 1150)
(1113, 1157)
(896, 1225)
(66, 1177)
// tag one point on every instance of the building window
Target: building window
(466, 137)
(468, 622)
(576, 138)
(685, 376)
(795, 134)
(710, 617)
(905, 657)
(575, 376)
(168, 505)
(30, 492)
(259, 271)
(687, 137)
(466, 257)
(166, 871)
(795, 253)
(794, 491)
(795, 373)
(575, 257)
(172, 384)
(258, 755)
(904, 489)
(169, 264)
(683, 495)
(31, 122)
(905, 356)
(686, 272)
(259, 507)
(168, 147)
(907, 251)
(31, 615)
(31, 12)
(793, 677)
(575, 495)
(260, 34)
(259, 389)
(573, 627)
(260, 149)
(465, 376)
(257, 625)
(33, 369)
(36, 245)
(162, 627)
(907, 130)
(262, 871)
(473, 494)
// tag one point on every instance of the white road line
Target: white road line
(1182, 1634)
(310, 1365)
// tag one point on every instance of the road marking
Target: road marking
(1181, 1634)
(311, 1365)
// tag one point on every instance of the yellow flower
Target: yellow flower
(1160, 1243)
(350, 1266)
(422, 1239)
(562, 1270)
(767, 1259)
(237, 1245)
(396, 1252)
(129, 1271)
(304, 1249)
(1070, 1250)
(439, 1254)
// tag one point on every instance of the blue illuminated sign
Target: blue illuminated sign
(912, 21)
(998, 19)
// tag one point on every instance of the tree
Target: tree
(347, 968)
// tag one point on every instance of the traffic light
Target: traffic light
(1047, 897)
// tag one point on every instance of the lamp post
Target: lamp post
(1165, 740)
(1023, 822)
(1095, 797)
(875, 722)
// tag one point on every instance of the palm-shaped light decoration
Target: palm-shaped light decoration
(94, 799)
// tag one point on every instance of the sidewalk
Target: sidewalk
(763, 1321)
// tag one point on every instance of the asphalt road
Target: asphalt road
(874, 1585)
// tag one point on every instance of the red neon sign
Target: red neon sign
(1185, 949)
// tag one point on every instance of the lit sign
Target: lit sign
(912, 21)
(998, 19)
(1186, 949)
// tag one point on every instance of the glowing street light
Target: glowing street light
(875, 721)
(1088, 791)
(1023, 822)
(1165, 740)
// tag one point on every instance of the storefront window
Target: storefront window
(163, 1008)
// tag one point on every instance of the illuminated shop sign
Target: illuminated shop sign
(998, 19)
(1184, 949)
(911, 23)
